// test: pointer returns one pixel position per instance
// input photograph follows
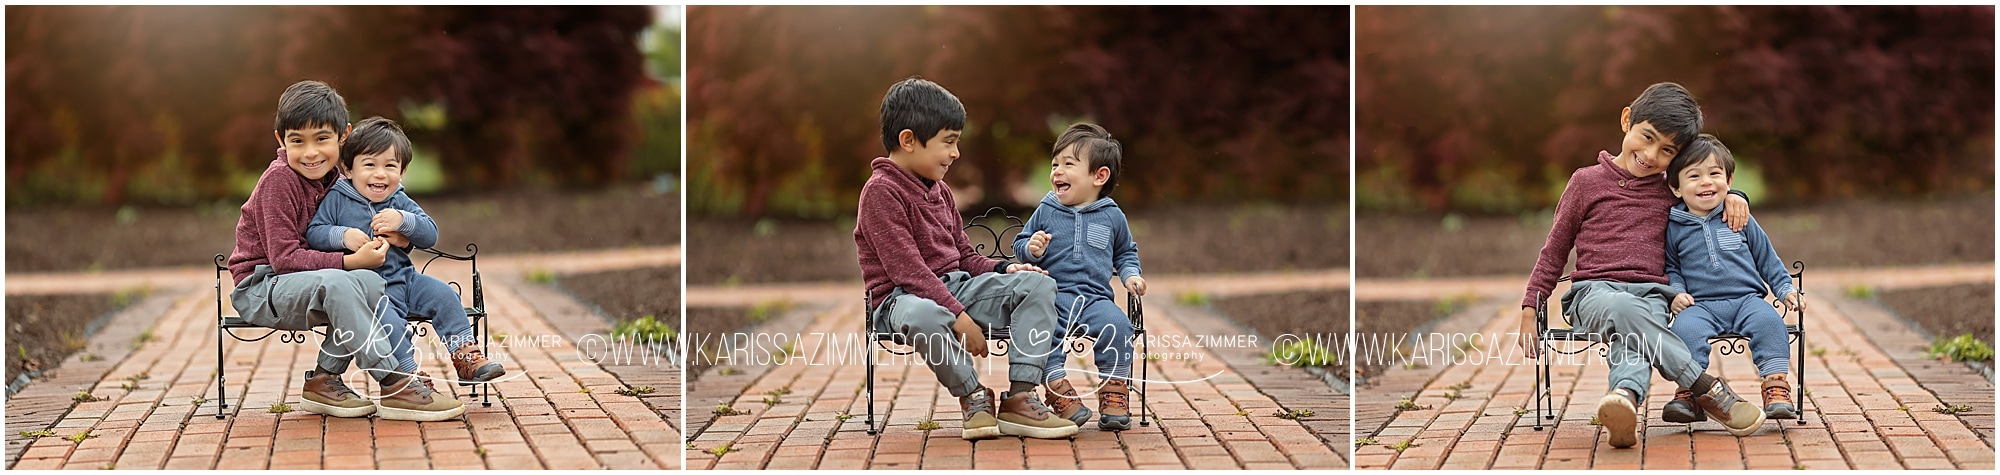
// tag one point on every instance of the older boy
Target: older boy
(1079, 235)
(1723, 276)
(1614, 215)
(281, 284)
(926, 283)
(371, 202)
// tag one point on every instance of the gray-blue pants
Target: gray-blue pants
(347, 302)
(1632, 319)
(1022, 302)
(1101, 320)
(1749, 316)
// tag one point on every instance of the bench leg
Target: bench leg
(1542, 389)
(221, 393)
(1145, 353)
(869, 387)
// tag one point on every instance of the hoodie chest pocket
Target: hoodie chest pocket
(1098, 235)
(1728, 240)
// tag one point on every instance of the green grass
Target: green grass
(721, 449)
(1860, 292)
(843, 416)
(725, 410)
(1294, 414)
(541, 276)
(767, 310)
(280, 408)
(1364, 441)
(81, 436)
(928, 425)
(1410, 405)
(1404, 445)
(1954, 409)
(645, 329)
(1192, 298)
(197, 401)
(1960, 348)
(85, 396)
(636, 391)
(37, 434)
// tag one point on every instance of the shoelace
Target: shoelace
(340, 388)
(1778, 393)
(981, 403)
(1035, 404)
(1115, 399)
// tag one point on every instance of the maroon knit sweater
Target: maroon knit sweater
(1616, 222)
(273, 226)
(909, 233)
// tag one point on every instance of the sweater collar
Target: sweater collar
(908, 182)
(1606, 159)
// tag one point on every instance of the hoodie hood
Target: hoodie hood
(345, 188)
(1680, 214)
(1049, 201)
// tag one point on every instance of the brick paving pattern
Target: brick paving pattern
(1872, 399)
(559, 410)
(808, 412)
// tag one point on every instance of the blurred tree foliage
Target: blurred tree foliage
(1212, 103)
(1492, 108)
(173, 104)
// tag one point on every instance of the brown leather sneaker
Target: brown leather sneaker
(412, 400)
(1024, 415)
(1778, 399)
(472, 365)
(326, 394)
(1739, 416)
(1682, 410)
(979, 420)
(1064, 401)
(1114, 402)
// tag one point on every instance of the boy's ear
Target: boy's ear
(279, 136)
(907, 140)
(1625, 120)
(1099, 177)
(343, 136)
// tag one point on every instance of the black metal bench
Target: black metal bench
(228, 325)
(1074, 338)
(1732, 344)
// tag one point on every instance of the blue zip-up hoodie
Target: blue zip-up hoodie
(344, 208)
(1086, 245)
(1706, 259)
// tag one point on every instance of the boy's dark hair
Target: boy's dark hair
(1672, 111)
(1696, 152)
(1096, 144)
(373, 135)
(921, 106)
(309, 103)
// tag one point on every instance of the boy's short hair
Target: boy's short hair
(373, 135)
(921, 106)
(1096, 144)
(309, 103)
(1696, 152)
(1672, 111)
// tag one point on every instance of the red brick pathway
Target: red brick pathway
(1872, 401)
(562, 412)
(808, 413)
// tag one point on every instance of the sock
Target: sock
(319, 371)
(1703, 384)
(408, 366)
(1021, 387)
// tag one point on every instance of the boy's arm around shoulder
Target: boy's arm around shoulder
(884, 223)
(322, 234)
(1673, 251)
(283, 234)
(417, 226)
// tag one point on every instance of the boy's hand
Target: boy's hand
(353, 239)
(1038, 243)
(1012, 268)
(1530, 340)
(369, 256)
(1792, 299)
(396, 239)
(1682, 302)
(1735, 212)
(970, 335)
(386, 221)
(1137, 285)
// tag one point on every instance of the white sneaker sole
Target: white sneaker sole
(1620, 419)
(980, 433)
(309, 405)
(398, 414)
(1029, 431)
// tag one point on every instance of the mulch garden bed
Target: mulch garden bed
(1309, 315)
(1946, 312)
(43, 330)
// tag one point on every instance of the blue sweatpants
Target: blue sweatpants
(425, 295)
(1102, 321)
(1749, 316)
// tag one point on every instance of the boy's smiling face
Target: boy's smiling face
(932, 158)
(311, 151)
(1703, 185)
(1645, 150)
(1072, 179)
(376, 175)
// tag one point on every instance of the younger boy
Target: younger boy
(1614, 214)
(281, 284)
(926, 283)
(371, 202)
(1079, 235)
(1721, 275)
